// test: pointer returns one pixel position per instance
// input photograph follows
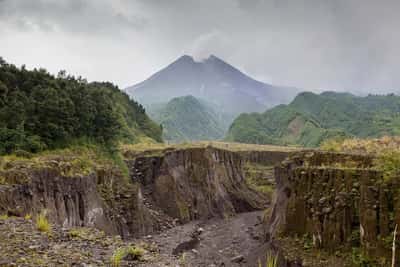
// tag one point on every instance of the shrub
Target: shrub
(271, 261)
(389, 163)
(77, 233)
(331, 145)
(42, 224)
(135, 253)
(182, 260)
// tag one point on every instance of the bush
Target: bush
(389, 163)
(42, 224)
(271, 261)
(135, 253)
(331, 145)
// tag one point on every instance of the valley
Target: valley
(199, 204)
(87, 178)
(171, 192)
(234, 133)
(196, 100)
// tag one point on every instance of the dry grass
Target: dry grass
(42, 224)
(386, 151)
(119, 254)
(159, 147)
(252, 147)
(70, 162)
(357, 145)
(271, 261)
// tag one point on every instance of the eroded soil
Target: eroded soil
(223, 242)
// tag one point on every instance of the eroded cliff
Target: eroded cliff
(336, 203)
(164, 188)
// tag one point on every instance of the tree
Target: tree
(39, 111)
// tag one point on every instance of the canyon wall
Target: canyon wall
(196, 183)
(163, 188)
(338, 202)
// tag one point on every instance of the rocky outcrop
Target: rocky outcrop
(68, 201)
(336, 201)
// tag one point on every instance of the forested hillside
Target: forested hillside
(39, 111)
(311, 118)
(189, 119)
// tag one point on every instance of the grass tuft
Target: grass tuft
(119, 254)
(42, 224)
(271, 261)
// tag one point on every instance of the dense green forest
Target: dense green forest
(311, 118)
(39, 111)
(189, 119)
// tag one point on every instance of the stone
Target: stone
(322, 200)
(326, 210)
(238, 259)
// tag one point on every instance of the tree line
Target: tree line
(40, 111)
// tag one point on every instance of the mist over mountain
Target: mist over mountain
(213, 80)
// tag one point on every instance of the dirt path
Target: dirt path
(223, 242)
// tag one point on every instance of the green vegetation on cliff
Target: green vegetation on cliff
(386, 151)
(39, 111)
(189, 119)
(311, 118)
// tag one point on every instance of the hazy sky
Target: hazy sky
(312, 44)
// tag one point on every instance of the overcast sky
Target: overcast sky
(312, 44)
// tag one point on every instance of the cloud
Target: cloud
(316, 45)
(75, 16)
(213, 42)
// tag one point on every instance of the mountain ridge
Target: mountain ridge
(213, 80)
(313, 118)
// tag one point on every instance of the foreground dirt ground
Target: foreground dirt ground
(222, 242)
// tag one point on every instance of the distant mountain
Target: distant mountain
(189, 119)
(311, 118)
(212, 80)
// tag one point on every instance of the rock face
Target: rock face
(337, 201)
(168, 187)
(70, 201)
(195, 183)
